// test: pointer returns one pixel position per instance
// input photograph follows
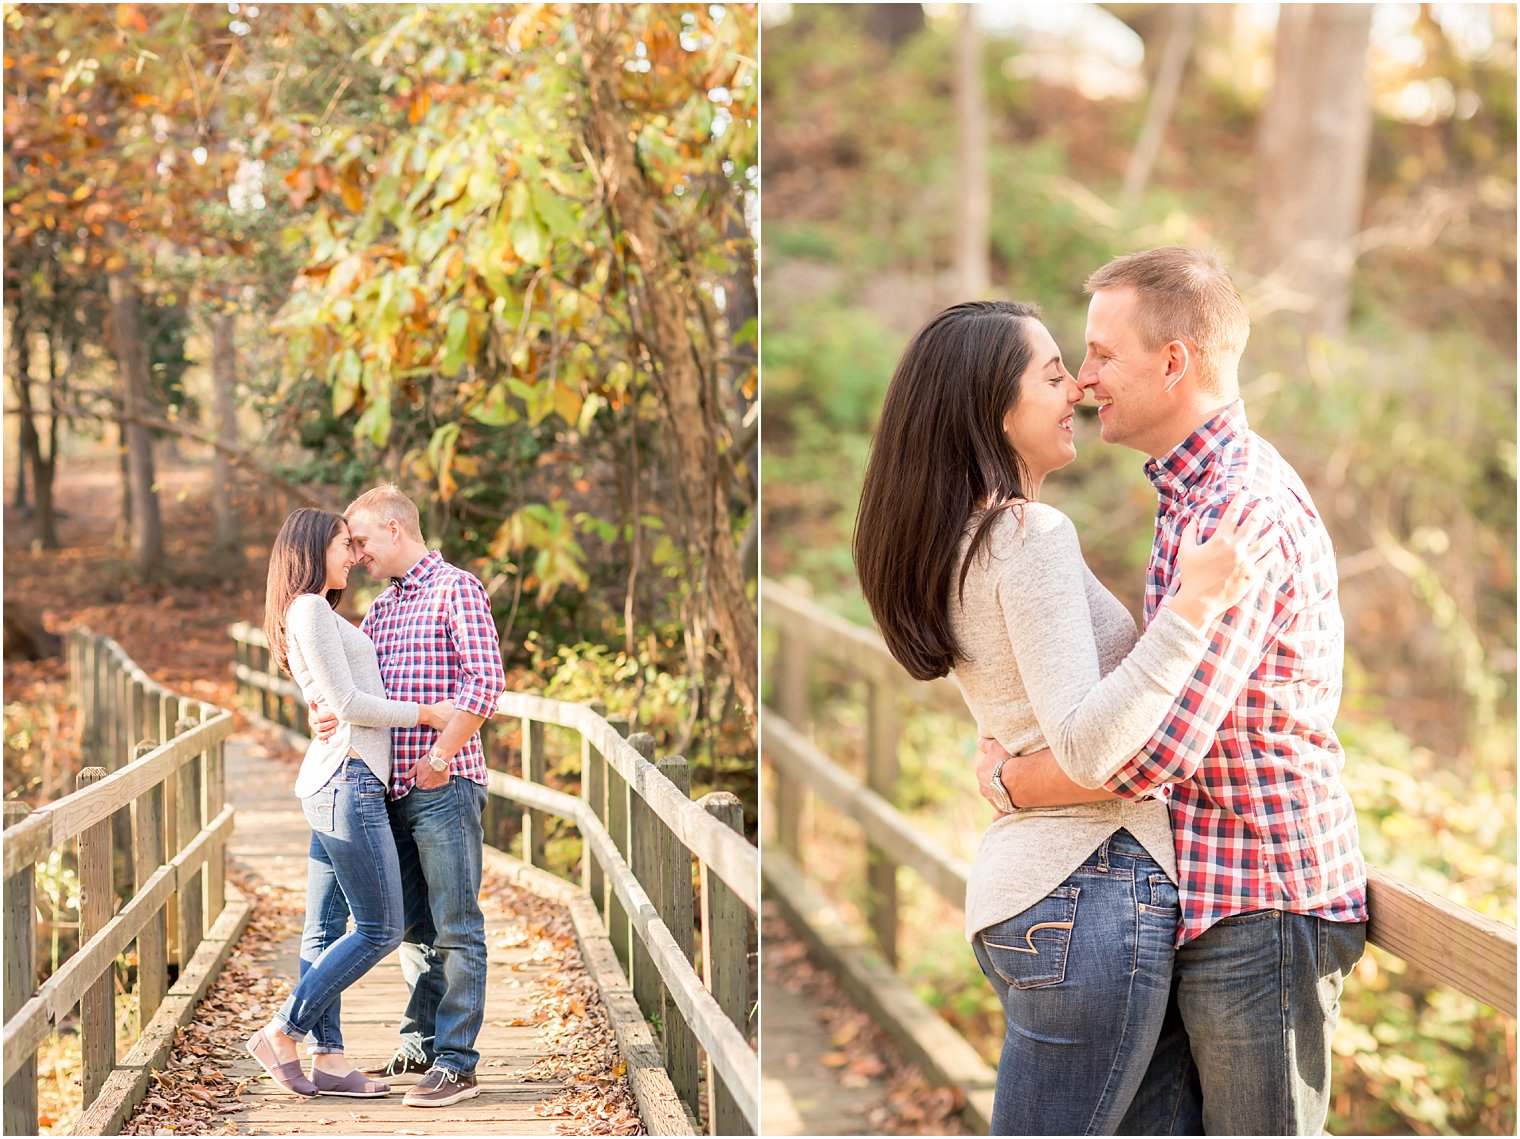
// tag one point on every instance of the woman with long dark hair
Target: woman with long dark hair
(1071, 911)
(342, 784)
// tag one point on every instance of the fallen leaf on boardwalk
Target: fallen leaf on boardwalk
(834, 1059)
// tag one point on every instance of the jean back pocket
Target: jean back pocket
(1029, 950)
(320, 807)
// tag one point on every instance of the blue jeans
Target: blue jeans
(1083, 976)
(1258, 995)
(352, 867)
(439, 842)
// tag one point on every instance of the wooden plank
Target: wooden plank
(730, 857)
(642, 857)
(725, 1045)
(60, 992)
(267, 686)
(97, 1006)
(1466, 950)
(881, 777)
(619, 796)
(190, 909)
(725, 961)
(127, 1084)
(594, 792)
(728, 1050)
(659, 1105)
(673, 871)
(830, 636)
(20, 1111)
(882, 824)
(59, 822)
(534, 767)
(215, 800)
(924, 1039)
(789, 680)
(152, 939)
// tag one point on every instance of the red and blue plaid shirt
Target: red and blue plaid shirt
(1249, 749)
(437, 641)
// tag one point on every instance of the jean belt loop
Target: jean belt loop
(1103, 855)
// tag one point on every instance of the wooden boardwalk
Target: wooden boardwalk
(801, 1093)
(271, 841)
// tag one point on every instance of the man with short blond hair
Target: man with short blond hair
(1272, 884)
(436, 640)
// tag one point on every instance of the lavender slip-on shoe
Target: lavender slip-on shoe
(355, 1084)
(288, 1075)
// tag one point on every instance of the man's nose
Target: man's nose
(1087, 374)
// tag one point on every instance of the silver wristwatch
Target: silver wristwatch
(1000, 797)
(437, 760)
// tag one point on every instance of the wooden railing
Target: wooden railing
(641, 834)
(154, 792)
(1451, 943)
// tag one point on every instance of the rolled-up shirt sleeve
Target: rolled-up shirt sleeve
(473, 631)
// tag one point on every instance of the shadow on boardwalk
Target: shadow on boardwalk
(546, 1049)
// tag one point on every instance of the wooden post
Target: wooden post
(644, 860)
(188, 808)
(97, 1008)
(535, 823)
(790, 680)
(725, 961)
(95, 690)
(21, 975)
(129, 713)
(147, 857)
(263, 656)
(619, 931)
(240, 657)
(168, 716)
(675, 902)
(881, 776)
(594, 792)
(215, 800)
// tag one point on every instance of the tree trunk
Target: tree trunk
(226, 550)
(132, 362)
(21, 381)
(973, 217)
(694, 418)
(1165, 86)
(44, 463)
(1312, 161)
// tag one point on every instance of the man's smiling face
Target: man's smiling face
(1126, 379)
(374, 545)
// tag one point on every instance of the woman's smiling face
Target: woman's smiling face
(1039, 425)
(340, 559)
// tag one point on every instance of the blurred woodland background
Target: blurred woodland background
(264, 255)
(1355, 166)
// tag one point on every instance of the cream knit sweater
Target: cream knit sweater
(1052, 660)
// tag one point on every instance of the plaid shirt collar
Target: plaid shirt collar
(420, 574)
(1177, 471)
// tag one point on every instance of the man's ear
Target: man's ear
(1177, 361)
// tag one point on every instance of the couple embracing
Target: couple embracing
(1172, 893)
(393, 786)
